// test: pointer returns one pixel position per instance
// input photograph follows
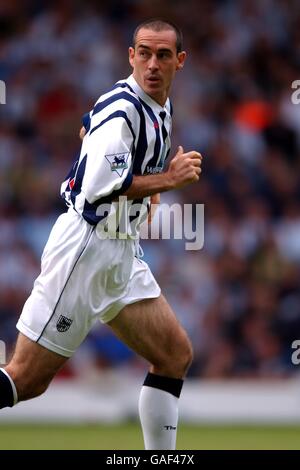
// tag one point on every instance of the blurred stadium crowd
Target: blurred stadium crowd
(239, 296)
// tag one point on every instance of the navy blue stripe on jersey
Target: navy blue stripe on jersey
(86, 121)
(123, 95)
(162, 116)
(116, 114)
(171, 109)
(72, 172)
(69, 179)
(90, 215)
(90, 210)
(141, 146)
(157, 145)
(122, 85)
(78, 180)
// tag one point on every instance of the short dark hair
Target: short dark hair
(159, 24)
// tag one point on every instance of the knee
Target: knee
(186, 357)
(28, 386)
(177, 360)
(182, 358)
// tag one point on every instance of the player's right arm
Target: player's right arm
(184, 169)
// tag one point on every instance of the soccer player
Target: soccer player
(89, 269)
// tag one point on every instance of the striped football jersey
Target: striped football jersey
(127, 134)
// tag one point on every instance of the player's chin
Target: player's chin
(153, 90)
(154, 84)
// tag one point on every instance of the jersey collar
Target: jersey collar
(140, 92)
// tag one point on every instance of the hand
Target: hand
(82, 133)
(185, 168)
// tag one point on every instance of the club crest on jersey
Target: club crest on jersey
(118, 162)
(63, 324)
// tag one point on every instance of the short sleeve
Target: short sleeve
(109, 158)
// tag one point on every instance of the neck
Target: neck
(160, 98)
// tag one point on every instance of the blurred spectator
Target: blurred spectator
(238, 297)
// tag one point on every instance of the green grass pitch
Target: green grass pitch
(128, 437)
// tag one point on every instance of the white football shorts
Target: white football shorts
(83, 278)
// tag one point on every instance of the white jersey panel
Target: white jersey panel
(109, 159)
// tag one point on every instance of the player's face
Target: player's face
(154, 60)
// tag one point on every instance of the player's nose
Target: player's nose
(153, 63)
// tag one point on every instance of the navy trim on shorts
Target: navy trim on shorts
(60, 296)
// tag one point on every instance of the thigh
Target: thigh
(151, 329)
(32, 363)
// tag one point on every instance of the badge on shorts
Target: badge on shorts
(63, 324)
(118, 162)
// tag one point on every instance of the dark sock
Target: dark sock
(168, 384)
(6, 391)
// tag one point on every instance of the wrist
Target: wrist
(169, 181)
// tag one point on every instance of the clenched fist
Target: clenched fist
(185, 168)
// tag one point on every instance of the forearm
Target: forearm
(147, 185)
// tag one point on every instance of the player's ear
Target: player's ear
(131, 55)
(181, 56)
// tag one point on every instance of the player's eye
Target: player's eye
(143, 54)
(164, 55)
